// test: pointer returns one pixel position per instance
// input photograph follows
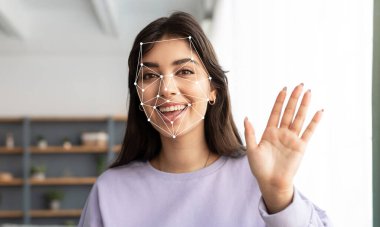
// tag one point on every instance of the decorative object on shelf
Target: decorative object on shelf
(66, 143)
(70, 223)
(6, 176)
(38, 172)
(101, 164)
(54, 199)
(41, 142)
(9, 141)
(94, 138)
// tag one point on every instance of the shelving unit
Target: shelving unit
(72, 170)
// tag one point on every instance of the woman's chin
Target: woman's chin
(179, 132)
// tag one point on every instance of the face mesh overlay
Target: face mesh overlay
(175, 102)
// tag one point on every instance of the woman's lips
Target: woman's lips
(172, 116)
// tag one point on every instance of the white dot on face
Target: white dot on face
(141, 64)
(171, 75)
(143, 90)
(173, 136)
(135, 83)
(154, 107)
(141, 44)
(161, 76)
(210, 78)
(203, 118)
(178, 93)
(171, 122)
(148, 119)
(189, 37)
(158, 96)
(141, 103)
(165, 89)
(189, 104)
(208, 100)
(167, 100)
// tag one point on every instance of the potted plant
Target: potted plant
(101, 164)
(66, 143)
(54, 199)
(38, 172)
(41, 142)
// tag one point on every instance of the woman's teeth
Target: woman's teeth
(171, 108)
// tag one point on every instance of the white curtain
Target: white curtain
(327, 45)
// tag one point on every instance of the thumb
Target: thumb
(249, 133)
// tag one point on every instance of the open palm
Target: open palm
(275, 159)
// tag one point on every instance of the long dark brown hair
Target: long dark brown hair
(141, 141)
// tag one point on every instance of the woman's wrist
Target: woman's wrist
(277, 200)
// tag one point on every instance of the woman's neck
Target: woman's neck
(185, 153)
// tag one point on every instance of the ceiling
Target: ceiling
(83, 26)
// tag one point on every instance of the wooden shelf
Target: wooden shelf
(64, 181)
(64, 119)
(12, 182)
(73, 149)
(11, 214)
(55, 213)
(41, 213)
(120, 118)
(116, 148)
(11, 119)
(5, 150)
(77, 118)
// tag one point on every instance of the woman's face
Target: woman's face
(173, 87)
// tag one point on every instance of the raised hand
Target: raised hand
(275, 159)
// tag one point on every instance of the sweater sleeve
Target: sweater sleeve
(300, 213)
(91, 214)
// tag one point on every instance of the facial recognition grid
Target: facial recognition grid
(170, 115)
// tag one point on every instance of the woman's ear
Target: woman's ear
(213, 94)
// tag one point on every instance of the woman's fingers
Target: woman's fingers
(249, 132)
(312, 126)
(290, 109)
(277, 108)
(296, 126)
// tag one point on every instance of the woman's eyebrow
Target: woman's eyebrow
(176, 62)
(185, 60)
(151, 64)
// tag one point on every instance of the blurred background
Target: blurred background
(63, 93)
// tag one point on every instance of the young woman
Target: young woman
(182, 161)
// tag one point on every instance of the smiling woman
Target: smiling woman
(182, 161)
(173, 88)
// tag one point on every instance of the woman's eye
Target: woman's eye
(185, 72)
(149, 76)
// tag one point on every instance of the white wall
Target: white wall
(52, 84)
(327, 45)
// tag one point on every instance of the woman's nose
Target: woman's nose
(168, 86)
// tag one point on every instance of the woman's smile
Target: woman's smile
(172, 112)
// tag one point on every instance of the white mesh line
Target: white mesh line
(161, 128)
(172, 81)
(190, 126)
(160, 41)
(181, 120)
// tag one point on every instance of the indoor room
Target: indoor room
(189, 113)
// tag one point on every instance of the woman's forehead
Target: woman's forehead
(167, 51)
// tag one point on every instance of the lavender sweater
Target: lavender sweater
(223, 194)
